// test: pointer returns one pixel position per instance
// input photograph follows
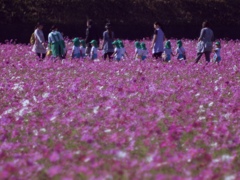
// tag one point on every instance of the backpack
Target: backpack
(32, 39)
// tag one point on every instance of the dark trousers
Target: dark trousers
(157, 55)
(41, 56)
(207, 56)
(109, 55)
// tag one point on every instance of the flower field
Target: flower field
(126, 120)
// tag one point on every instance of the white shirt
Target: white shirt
(39, 39)
(76, 50)
(180, 51)
(118, 53)
(168, 51)
(123, 50)
(39, 35)
(94, 50)
(138, 51)
(218, 52)
(144, 52)
(54, 37)
(83, 50)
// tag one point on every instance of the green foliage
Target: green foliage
(124, 11)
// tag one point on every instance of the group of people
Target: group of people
(204, 46)
(114, 49)
(55, 47)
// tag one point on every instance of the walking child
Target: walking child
(138, 51)
(168, 51)
(217, 52)
(76, 48)
(180, 51)
(117, 51)
(82, 49)
(93, 53)
(144, 51)
(123, 50)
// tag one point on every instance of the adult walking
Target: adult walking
(157, 42)
(39, 46)
(108, 38)
(205, 42)
(56, 43)
(91, 34)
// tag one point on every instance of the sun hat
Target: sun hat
(76, 42)
(121, 44)
(168, 45)
(116, 43)
(137, 44)
(83, 43)
(179, 43)
(143, 46)
(94, 42)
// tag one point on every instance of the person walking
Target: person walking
(76, 53)
(157, 42)
(138, 51)
(217, 52)
(168, 51)
(91, 33)
(82, 49)
(205, 42)
(180, 51)
(39, 46)
(94, 50)
(117, 50)
(124, 53)
(108, 38)
(56, 43)
(144, 51)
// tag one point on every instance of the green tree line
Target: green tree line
(121, 11)
(131, 19)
